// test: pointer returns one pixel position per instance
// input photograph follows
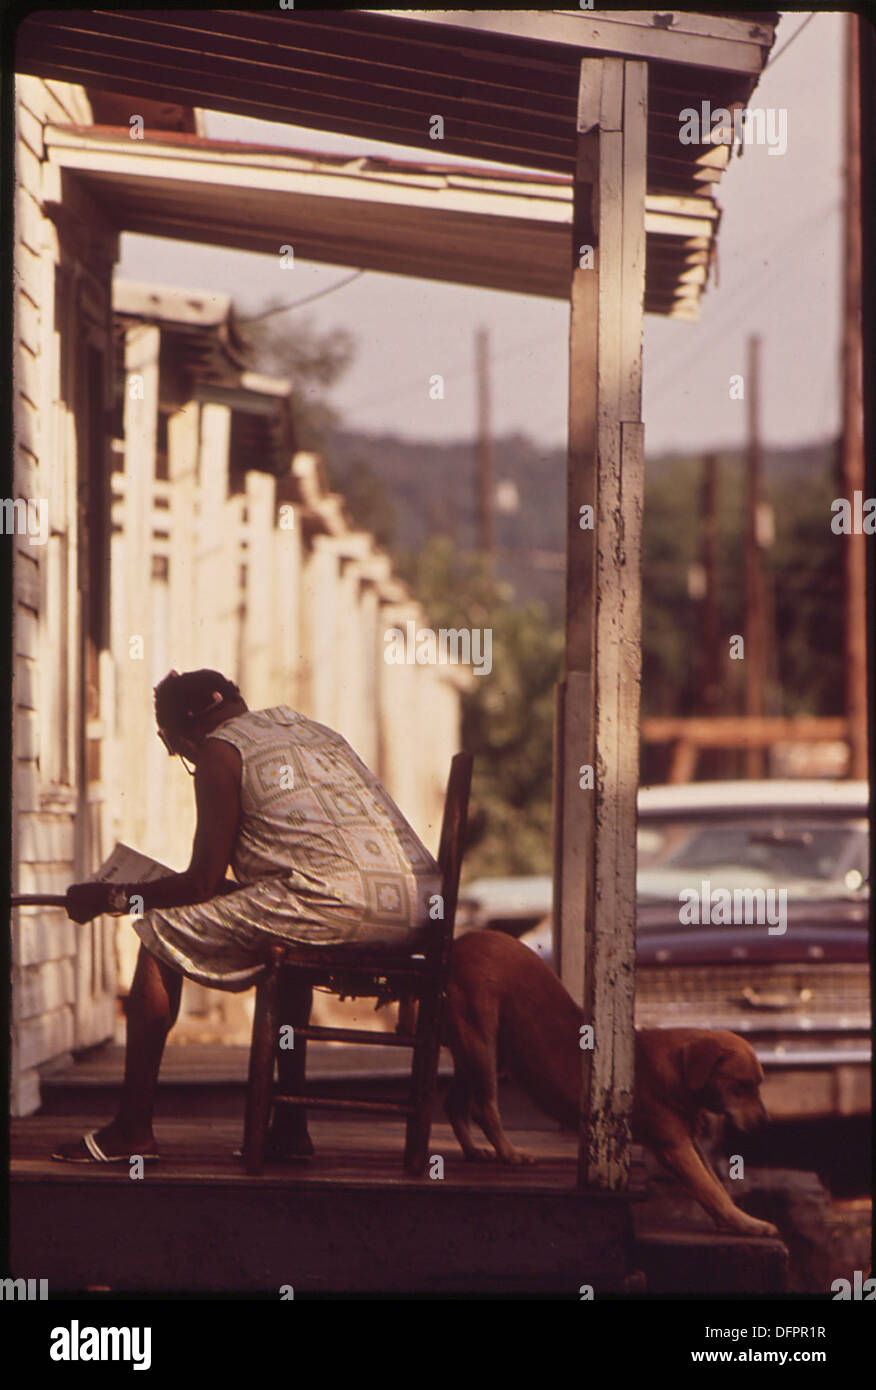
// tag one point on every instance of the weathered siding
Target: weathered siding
(46, 796)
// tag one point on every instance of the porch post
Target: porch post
(598, 701)
(134, 709)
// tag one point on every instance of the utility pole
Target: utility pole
(852, 467)
(485, 448)
(755, 645)
(709, 673)
(867, 94)
(710, 680)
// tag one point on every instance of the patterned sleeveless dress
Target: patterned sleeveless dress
(322, 853)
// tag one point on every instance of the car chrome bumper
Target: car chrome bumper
(855, 1054)
(816, 1082)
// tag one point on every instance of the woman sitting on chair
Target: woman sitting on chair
(320, 853)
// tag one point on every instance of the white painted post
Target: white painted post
(598, 702)
(260, 562)
(183, 438)
(142, 346)
(217, 579)
(287, 636)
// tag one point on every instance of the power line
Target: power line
(781, 50)
(753, 248)
(416, 383)
(732, 306)
(296, 304)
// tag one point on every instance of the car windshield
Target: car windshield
(809, 859)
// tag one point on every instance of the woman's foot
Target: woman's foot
(287, 1140)
(286, 1144)
(113, 1141)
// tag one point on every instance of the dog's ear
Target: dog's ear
(698, 1059)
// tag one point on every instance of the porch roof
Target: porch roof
(505, 84)
(497, 229)
(202, 346)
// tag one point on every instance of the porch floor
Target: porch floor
(361, 1152)
(350, 1220)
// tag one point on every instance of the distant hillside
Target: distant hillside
(424, 489)
(432, 488)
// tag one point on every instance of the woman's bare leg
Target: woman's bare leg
(289, 1127)
(153, 1005)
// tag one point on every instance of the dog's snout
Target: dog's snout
(747, 1117)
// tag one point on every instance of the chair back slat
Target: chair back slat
(453, 829)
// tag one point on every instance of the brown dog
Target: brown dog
(507, 1008)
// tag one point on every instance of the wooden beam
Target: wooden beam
(574, 816)
(853, 467)
(684, 761)
(755, 607)
(598, 702)
(738, 731)
(867, 123)
(709, 41)
(402, 219)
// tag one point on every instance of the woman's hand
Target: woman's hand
(87, 900)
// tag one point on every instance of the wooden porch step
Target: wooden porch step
(349, 1220)
(681, 1261)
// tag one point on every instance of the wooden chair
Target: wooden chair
(370, 971)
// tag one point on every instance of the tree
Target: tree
(288, 346)
(367, 498)
(507, 716)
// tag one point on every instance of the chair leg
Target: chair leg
(261, 1072)
(407, 1014)
(424, 1082)
(294, 1001)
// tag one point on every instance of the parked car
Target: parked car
(799, 988)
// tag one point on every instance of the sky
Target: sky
(779, 250)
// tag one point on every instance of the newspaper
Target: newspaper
(126, 865)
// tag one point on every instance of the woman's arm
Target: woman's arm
(217, 793)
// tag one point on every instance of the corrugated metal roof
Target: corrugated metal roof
(504, 97)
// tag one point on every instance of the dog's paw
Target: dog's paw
(481, 1156)
(765, 1228)
(518, 1156)
(744, 1225)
